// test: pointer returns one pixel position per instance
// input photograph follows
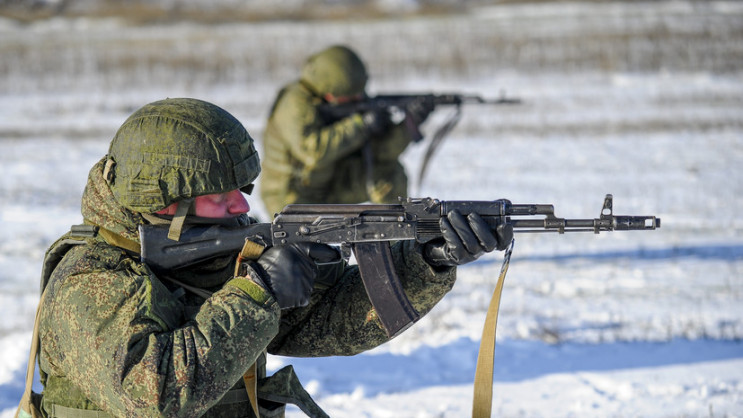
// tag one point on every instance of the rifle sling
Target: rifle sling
(26, 405)
(250, 378)
(483, 387)
(436, 140)
(118, 241)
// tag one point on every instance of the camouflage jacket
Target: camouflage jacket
(115, 337)
(311, 160)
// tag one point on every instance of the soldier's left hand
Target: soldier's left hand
(465, 239)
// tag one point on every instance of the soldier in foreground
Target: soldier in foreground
(312, 157)
(119, 338)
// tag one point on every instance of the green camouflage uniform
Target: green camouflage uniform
(118, 338)
(311, 160)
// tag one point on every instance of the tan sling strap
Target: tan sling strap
(26, 407)
(483, 388)
(250, 378)
(118, 241)
(250, 251)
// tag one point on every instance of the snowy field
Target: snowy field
(641, 100)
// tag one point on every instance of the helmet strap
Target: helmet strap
(174, 233)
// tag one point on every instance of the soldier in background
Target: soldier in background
(310, 159)
(119, 339)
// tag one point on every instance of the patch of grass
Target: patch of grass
(148, 12)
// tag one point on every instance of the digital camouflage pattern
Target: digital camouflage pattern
(178, 148)
(116, 337)
(311, 160)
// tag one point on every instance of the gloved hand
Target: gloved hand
(465, 240)
(419, 110)
(289, 271)
(377, 121)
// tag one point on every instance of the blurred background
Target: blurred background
(137, 50)
(642, 99)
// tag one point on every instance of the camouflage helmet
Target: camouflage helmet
(336, 70)
(177, 149)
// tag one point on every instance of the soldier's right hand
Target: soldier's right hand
(419, 110)
(289, 272)
(377, 121)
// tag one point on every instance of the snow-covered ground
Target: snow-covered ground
(644, 101)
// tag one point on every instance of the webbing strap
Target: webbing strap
(250, 378)
(31, 367)
(483, 396)
(234, 396)
(119, 241)
(436, 140)
(366, 152)
(193, 289)
(174, 233)
(250, 251)
(59, 411)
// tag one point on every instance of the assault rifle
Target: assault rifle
(400, 103)
(404, 102)
(368, 230)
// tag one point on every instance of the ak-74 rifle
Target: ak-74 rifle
(368, 231)
(397, 103)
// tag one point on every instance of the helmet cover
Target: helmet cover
(177, 149)
(336, 70)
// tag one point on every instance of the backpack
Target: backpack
(30, 404)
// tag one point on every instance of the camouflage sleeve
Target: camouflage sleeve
(341, 321)
(309, 140)
(120, 336)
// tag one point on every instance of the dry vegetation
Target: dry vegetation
(216, 11)
(106, 53)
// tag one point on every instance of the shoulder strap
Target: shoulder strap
(76, 236)
(26, 408)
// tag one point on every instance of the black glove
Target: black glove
(465, 240)
(377, 121)
(419, 110)
(289, 271)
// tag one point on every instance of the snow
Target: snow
(642, 101)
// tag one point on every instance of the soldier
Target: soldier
(119, 339)
(310, 159)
